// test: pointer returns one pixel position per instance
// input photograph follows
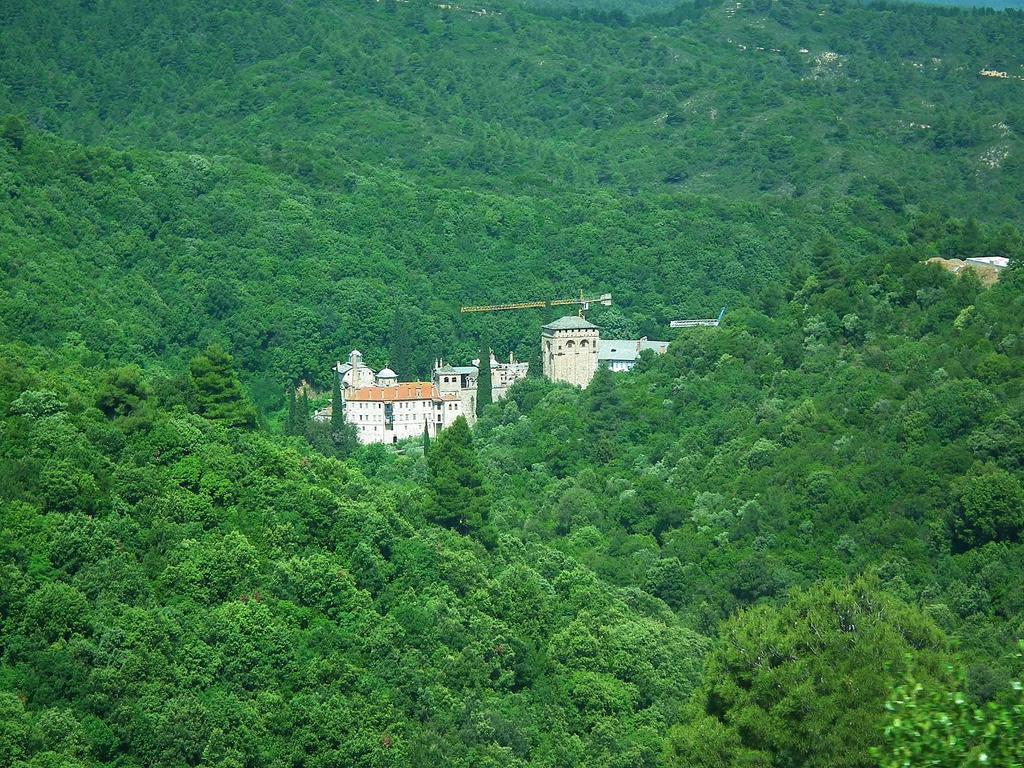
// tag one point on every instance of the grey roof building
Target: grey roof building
(622, 354)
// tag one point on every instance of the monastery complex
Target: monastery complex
(385, 410)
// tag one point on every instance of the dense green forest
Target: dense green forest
(786, 98)
(519, 162)
(622, 11)
(793, 540)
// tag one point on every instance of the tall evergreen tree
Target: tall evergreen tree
(337, 409)
(400, 345)
(604, 415)
(289, 425)
(458, 496)
(13, 131)
(219, 393)
(303, 420)
(972, 242)
(483, 381)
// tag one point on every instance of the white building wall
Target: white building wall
(409, 418)
(458, 385)
(504, 375)
(368, 419)
(619, 366)
(451, 410)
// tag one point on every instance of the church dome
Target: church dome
(387, 373)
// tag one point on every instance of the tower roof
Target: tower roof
(569, 323)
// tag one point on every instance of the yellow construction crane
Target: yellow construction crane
(605, 300)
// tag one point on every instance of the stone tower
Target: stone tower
(458, 382)
(568, 349)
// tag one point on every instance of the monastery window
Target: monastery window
(583, 343)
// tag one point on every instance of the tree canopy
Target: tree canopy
(793, 540)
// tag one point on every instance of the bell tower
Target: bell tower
(568, 350)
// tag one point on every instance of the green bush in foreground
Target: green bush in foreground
(941, 728)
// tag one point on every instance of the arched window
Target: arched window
(583, 344)
(570, 344)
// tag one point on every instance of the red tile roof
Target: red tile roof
(409, 390)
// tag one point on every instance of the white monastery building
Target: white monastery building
(387, 414)
(355, 373)
(504, 375)
(385, 410)
(462, 379)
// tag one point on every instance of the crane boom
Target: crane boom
(504, 307)
(605, 299)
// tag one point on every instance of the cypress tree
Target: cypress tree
(337, 414)
(426, 438)
(303, 425)
(400, 346)
(289, 425)
(483, 381)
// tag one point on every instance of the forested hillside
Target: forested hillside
(149, 257)
(793, 541)
(875, 413)
(178, 593)
(788, 98)
(339, 170)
